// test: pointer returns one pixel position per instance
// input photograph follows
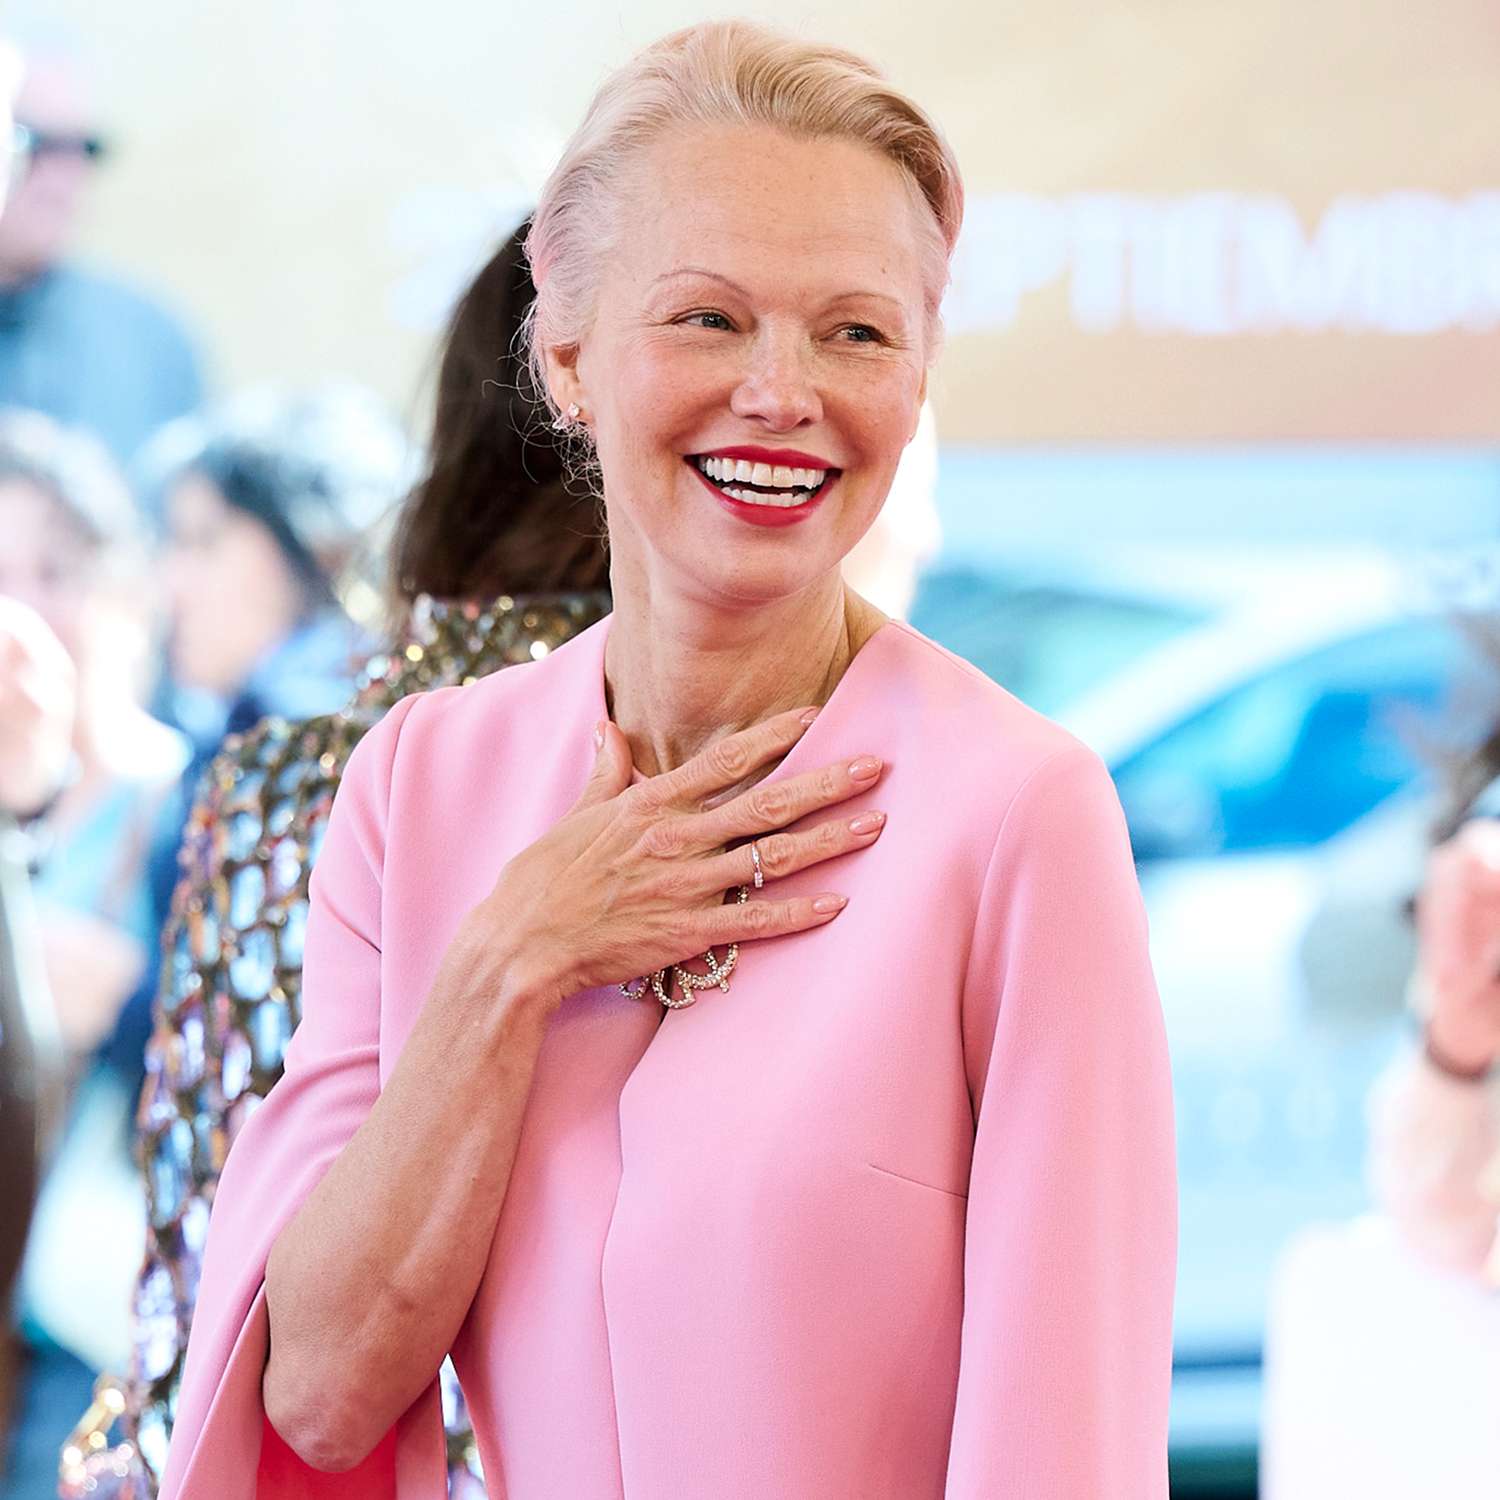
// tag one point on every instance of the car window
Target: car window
(1296, 754)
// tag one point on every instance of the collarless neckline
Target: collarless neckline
(793, 758)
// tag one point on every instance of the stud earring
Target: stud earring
(565, 420)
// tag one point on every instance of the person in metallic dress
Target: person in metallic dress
(495, 560)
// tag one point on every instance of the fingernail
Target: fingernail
(829, 902)
(809, 716)
(865, 768)
(866, 822)
(599, 735)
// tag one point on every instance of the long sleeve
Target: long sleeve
(1434, 1157)
(331, 1081)
(1071, 1228)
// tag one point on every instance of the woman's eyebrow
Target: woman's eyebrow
(852, 296)
(863, 296)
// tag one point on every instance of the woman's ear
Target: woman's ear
(563, 384)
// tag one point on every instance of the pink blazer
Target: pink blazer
(895, 1218)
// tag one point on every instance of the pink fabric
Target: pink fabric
(895, 1217)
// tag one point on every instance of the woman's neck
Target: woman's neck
(679, 678)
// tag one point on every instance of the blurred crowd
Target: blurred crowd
(172, 570)
(177, 568)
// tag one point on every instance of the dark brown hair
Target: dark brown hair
(494, 512)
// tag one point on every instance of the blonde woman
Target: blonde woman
(732, 1036)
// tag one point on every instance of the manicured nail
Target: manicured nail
(866, 768)
(599, 735)
(866, 822)
(830, 902)
(809, 716)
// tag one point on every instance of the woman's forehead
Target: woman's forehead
(771, 213)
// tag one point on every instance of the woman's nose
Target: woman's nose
(778, 385)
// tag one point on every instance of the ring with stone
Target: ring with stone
(760, 878)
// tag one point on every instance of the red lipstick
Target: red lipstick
(791, 458)
(762, 515)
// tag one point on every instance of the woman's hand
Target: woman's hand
(1458, 932)
(633, 877)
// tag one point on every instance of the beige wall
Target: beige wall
(308, 178)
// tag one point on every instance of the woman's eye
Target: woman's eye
(861, 333)
(722, 322)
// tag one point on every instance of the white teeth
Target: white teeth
(779, 502)
(797, 484)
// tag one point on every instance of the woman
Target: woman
(75, 553)
(268, 498)
(847, 1224)
(1435, 1111)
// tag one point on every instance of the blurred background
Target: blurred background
(1217, 485)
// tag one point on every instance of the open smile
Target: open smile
(763, 492)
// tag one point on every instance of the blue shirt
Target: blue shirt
(91, 352)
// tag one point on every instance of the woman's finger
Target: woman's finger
(612, 766)
(728, 760)
(740, 922)
(774, 804)
(785, 853)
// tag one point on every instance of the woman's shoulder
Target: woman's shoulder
(986, 739)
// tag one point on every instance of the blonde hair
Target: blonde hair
(717, 73)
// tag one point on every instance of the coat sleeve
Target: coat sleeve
(1071, 1230)
(1434, 1150)
(331, 1081)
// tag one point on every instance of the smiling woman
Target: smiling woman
(889, 1211)
(780, 284)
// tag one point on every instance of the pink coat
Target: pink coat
(894, 1219)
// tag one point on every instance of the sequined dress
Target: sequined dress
(231, 996)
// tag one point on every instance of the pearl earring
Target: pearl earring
(566, 420)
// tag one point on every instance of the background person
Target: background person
(76, 552)
(270, 499)
(77, 343)
(1434, 1162)
(75, 560)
